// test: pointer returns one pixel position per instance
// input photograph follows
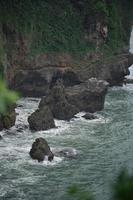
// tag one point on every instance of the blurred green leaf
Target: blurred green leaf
(123, 189)
(7, 97)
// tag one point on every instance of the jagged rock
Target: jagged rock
(64, 103)
(111, 70)
(88, 96)
(41, 119)
(40, 149)
(89, 116)
(38, 81)
(58, 103)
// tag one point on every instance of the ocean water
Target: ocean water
(103, 146)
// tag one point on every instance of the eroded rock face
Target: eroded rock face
(63, 103)
(58, 103)
(88, 96)
(41, 119)
(8, 120)
(40, 149)
(33, 74)
(111, 70)
(38, 81)
(117, 71)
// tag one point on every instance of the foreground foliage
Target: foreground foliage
(123, 189)
(7, 97)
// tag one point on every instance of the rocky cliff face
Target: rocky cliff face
(33, 74)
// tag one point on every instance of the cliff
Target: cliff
(43, 40)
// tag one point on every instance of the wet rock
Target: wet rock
(20, 106)
(90, 116)
(67, 152)
(115, 71)
(88, 96)
(128, 81)
(1, 137)
(20, 130)
(22, 126)
(40, 149)
(130, 59)
(11, 132)
(58, 103)
(65, 103)
(111, 70)
(41, 119)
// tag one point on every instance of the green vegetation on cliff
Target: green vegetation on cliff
(67, 25)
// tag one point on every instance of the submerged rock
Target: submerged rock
(90, 116)
(41, 119)
(67, 152)
(40, 149)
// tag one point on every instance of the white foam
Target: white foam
(28, 179)
(130, 76)
(80, 114)
(55, 161)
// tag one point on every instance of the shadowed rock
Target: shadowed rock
(41, 119)
(64, 103)
(40, 149)
(90, 116)
(130, 59)
(58, 103)
(88, 96)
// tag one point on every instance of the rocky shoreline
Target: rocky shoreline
(35, 77)
(74, 93)
(64, 103)
(65, 91)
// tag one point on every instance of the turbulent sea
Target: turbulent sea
(104, 146)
